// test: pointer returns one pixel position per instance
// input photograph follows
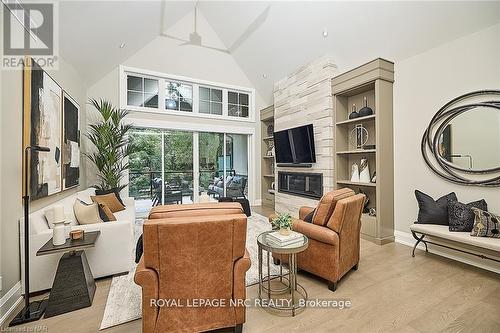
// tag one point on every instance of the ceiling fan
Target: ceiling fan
(195, 39)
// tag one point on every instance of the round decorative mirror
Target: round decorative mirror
(462, 141)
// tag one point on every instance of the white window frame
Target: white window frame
(196, 83)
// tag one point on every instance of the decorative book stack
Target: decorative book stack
(278, 239)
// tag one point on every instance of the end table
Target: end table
(74, 285)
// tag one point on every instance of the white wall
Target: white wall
(164, 55)
(424, 83)
(11, 162)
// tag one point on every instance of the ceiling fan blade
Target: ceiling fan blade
(259, 20)
(174, 37)
(214, 48)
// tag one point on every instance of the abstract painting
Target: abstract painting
(43, 127)
(71, 142)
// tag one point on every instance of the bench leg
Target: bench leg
(419, 239)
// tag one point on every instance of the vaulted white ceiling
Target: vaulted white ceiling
(270, 39)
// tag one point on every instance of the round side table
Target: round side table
(291, 286)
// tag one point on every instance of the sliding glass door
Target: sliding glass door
(162, 170)
(211, 166)
(178, 167)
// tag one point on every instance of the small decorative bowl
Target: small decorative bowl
(76, 234)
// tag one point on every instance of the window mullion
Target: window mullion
(224, 103)
(196, 99)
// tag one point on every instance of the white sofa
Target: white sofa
(112, 254)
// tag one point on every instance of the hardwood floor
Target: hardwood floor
(390, 292)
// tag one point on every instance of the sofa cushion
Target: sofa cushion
(433, 211)
(461, 216)
(327, 204)
(86, 213)
(486, 224)
(109, 200)
(105, 213)
(113, 190)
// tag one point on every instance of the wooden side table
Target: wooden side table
(74, 285)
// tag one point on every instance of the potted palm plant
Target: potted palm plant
(283, 222)
(109, 137)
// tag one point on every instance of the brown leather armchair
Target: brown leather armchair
(333, 236)
(193, 252)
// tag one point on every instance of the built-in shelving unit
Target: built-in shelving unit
(374, 82)
(267, 161)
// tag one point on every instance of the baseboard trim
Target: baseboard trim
(10, 301)
(407, 239)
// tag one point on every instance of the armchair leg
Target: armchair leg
(238, 328)
(332, 285)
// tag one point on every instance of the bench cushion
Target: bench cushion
(461, 237)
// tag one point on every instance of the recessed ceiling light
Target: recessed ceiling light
(325, 32)
(122, 45)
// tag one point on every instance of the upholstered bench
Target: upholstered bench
(483, 247)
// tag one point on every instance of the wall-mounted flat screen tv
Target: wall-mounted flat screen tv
(295, 145)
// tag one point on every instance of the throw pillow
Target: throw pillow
(309, 217)
(486, 224)
(461, 216)
(86, 213)
(113, 190)
(109, 200)
(433, 211)
(139, 249)
(106, 214)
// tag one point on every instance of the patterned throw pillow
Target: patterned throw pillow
(486, 224)
(461, 216)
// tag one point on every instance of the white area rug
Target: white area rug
(124, 298)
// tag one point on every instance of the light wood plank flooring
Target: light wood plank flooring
(391, 292)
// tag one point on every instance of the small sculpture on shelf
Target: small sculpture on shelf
(355, 173)
(365, 110)
(358, 136)
(270, 129)
(270, 148)
(373, 211)
(367, 201)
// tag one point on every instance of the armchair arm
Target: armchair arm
(148, 279)
(303, 211)
(239, 289)
(316, 232)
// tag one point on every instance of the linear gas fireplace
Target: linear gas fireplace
(308, 185)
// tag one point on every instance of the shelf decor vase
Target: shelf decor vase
(364, 171)
(355, 173)
(365, 110)
(58, 233)
(353, 113)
